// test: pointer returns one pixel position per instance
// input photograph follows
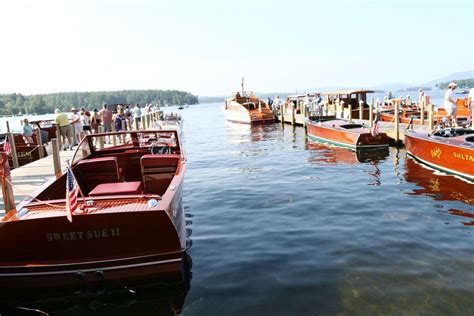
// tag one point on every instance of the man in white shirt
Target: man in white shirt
(276, 103)
(75, 121)
(450, 104)
(306, 103)
(470, 98)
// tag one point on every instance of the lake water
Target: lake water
(280, 226)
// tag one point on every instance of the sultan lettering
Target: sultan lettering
(463, 156)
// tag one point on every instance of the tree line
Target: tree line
(463, 83)
(12, 104)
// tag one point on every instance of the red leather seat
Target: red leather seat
(158, 171)
(118, 188)
(91, 172)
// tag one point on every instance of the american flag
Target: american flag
(375, 128)
(72, 194)
(7, 148)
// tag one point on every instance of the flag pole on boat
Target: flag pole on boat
(242, 85)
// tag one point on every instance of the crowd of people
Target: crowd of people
(117, 118)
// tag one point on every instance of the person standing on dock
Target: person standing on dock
(106, 117)
(421, 94)
(85, 120)
(75, 120)
(306, 103)
(450, 104)
(317, 104)
(65, 128)
(270, 103)
(276, 103)
(137, 112)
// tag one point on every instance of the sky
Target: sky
(206, 46)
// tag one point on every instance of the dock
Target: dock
(395, 131)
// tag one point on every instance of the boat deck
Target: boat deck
(57, 208)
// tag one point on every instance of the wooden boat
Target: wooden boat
(344, 134)
(25, 153)
(339, 101)
(49, 126)
(129, 225)
(171, 121)
(248, 109)
(448, 150)
(407, 112)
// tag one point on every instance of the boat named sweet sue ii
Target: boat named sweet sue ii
(129, 224)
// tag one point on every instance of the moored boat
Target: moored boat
(344, 134)
(25, 153)
(248, 109)
(448, 150)
(129, 223)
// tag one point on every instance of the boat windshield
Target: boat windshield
(157, 141)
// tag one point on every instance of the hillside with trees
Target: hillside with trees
(46, 103)
(463, 83)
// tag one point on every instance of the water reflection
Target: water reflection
(244, 133)
(441, 188)
(325, 154)
(151, 298)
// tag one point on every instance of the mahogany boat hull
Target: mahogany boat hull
(451, 155)
(334, 133)
(114, 235)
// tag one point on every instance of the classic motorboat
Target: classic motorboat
(25, 153)
(344, 134)
(339, 102)
(171, 121)
(129, 224)
(248, 109)
(411, 113)
(49, 128)
(449, 150)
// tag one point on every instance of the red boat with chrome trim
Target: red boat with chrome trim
(130, 225)
(448, 150)
(344, 134)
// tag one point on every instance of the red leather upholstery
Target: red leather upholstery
(158, 171)
(91, 172)
(118, 188)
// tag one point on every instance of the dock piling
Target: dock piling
(7, 189)
(371, 112)
(430, 116)
(396, 122)
(350, 113)
(39, 141)
(58, 137)
(136, 123)
(422, 110)
(56, 157)
(101, 138)
(13, 154)
(293, 114)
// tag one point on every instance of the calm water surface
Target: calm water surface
(280, 226)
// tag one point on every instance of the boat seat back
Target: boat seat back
(158, 171)
(92, 172)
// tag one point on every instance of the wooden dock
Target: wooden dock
(28, 178)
